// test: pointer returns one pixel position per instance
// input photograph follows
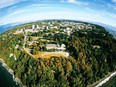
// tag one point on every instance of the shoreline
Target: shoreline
(106, 79)
(15, 79)
(98, 83)
(103, 80)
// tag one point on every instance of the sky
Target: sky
(101, 11)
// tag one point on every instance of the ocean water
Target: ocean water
(6, 79)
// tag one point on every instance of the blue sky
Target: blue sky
(102, 11)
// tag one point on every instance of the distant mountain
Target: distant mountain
(6, 27)
(110, 29)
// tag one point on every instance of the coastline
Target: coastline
(15, 79)
(98, 83)
(106, 79)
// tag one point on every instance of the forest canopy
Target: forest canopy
(92, 56)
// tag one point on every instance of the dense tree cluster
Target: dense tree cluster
(92, 56)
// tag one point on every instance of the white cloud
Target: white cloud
(62, 1)
(44, 11)
(113, 0)
(17, 12)
(77, 2)
(112, 15)
(72, 1)
(112, 6)
(40, 5)
(102, 1)
(91, 10)
(5, 3)
(67, 14)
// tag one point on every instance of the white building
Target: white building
(33, 26)
(56, 47)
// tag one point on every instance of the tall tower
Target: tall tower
(37, 27)
(33, 26)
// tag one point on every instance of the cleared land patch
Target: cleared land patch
(50, 54)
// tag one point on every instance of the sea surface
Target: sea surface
(6, 79)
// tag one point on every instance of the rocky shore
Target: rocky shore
(106, 79)
(17, 80)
